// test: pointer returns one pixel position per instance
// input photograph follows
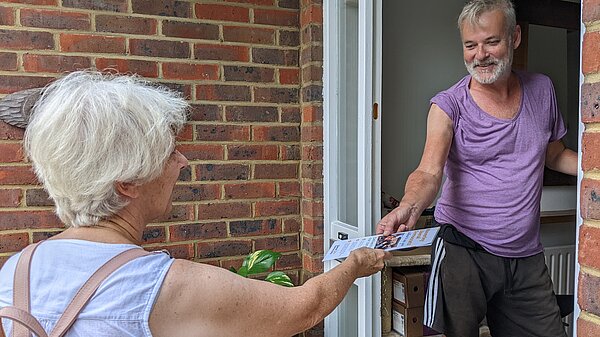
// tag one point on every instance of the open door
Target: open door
(352, 72)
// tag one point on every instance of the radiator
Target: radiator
(561, 266)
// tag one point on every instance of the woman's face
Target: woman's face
(158, 193)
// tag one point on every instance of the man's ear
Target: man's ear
(129, 190)
(517, 37)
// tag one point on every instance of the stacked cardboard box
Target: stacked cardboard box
(409, 285)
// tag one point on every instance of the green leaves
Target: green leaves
(261, 261)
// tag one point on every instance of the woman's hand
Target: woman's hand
(367, 261)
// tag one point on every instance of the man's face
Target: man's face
(487, 48)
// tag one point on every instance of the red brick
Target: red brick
(228, 210)
(184, 89)
(196, 192)
(589, 246)
(9, 132)
(11, 152)
(13, 242)
(251, 152)
(590, 102)
(276, 95)
(202, 151)
(254, 2)
(289, 38)
(104, 5)
(289, 189)
(186, 71)
(205, 112)
(207, 250)
(312, 170)
(228, 263)
(180, 9)
(17, 175)
(251, 113)
(214, 172)
(250, 190)
(25, 40)
(222, 12)
(587, 328)
(178, 251)
(312, 208)
(311, 53)
(54, 63)
(212, 230)
(289, 261)
(92, 43)
(140, 67)
(590, 156)
(290, 152)
(7, 16)
(312, 33)
(126, 24)
(220, 52)
(35, 2)
(312, 93)
(312, 190)
(311, 14)
(589, 297)
(276, 17)
(292, 4)
(215, 92)
(290, 115)
(3, 260)
(154, 234)
(312, 113)
(29, 219)
(248, 35)
(312, 264)
(590, 12)
(185, 174)
(284, 57)
(254, 227)
(8, 61)
(275, 133)
(289, 76)
(10, 84)
(312, 133)
(590, 59)
(312, 226)
(45, 235)
(232, 133)
(43, 18)
(275, 171)
(281, 207)
(312, 73)
(285, 243)
(37, 197)
(191, 30)
(312, 152)
(313, 244)
(248, 74)
(10, 197)
(292, 225)
(178, 213)
(160, 48)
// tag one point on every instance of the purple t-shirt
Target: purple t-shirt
(495, 167)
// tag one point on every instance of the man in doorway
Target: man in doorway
(491, 133)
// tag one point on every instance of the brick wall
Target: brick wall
(588, 323)
(253, 141)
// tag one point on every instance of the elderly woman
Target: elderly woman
(104, 148)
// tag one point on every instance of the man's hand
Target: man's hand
(402, 218)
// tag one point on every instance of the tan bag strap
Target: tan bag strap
(21, 289)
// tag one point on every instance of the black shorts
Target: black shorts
(468, 284)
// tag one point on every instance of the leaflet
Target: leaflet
(396, 241)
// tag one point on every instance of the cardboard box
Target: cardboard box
(407, 321)
(409, 287)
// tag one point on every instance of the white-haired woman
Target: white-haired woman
(103, 146)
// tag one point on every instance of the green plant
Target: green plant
(261, 261)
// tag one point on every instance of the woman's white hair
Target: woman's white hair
(474, 8)
(90, 130)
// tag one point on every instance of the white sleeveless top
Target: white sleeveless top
(120, 307)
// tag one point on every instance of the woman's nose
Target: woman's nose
(183, 162)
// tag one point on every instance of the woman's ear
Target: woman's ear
(129, 190)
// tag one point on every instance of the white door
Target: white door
(352, 72)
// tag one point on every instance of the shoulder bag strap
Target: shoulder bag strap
(21, 288)
(89, 288)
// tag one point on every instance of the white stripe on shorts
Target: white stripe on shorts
(433, 286)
